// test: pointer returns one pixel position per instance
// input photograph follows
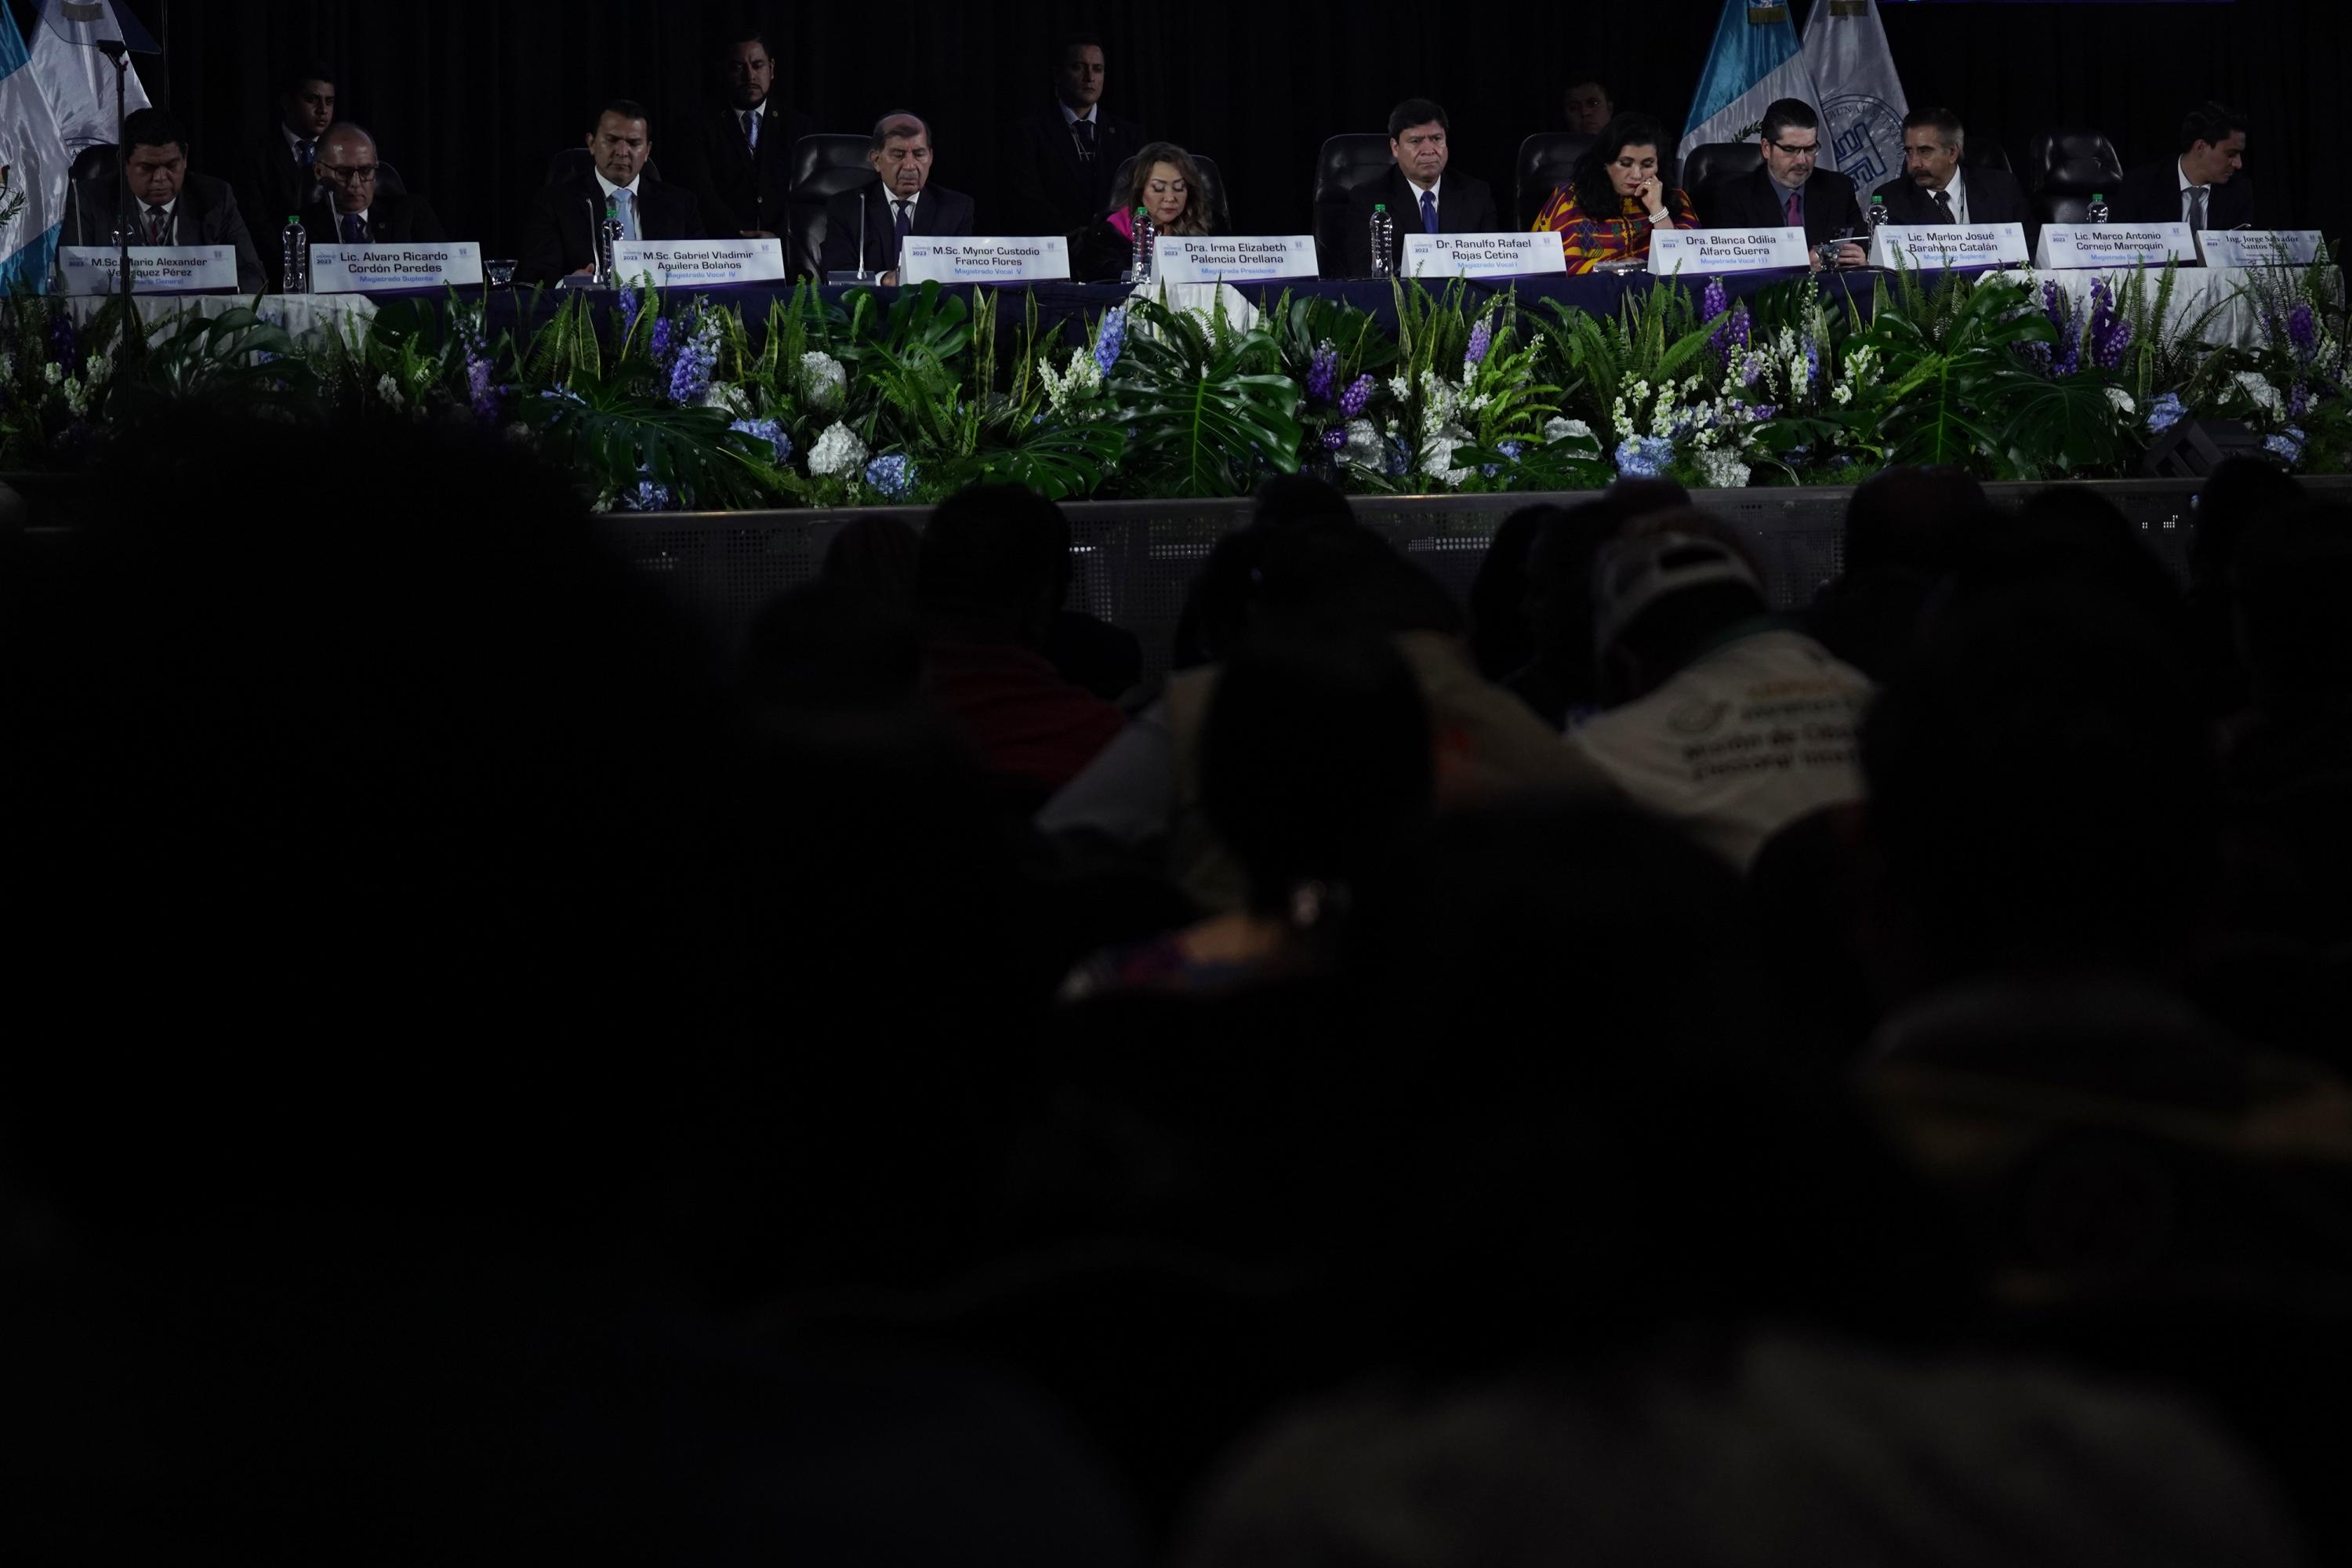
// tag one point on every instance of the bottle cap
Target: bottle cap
(1380, 206)
(1878, 201)
(2096, 197)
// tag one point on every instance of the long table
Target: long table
(309, 317)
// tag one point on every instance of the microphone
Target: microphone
(863, 192)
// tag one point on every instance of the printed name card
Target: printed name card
(1948, 244)
(1510, 254)
(366, 268)
(1231, 259)
(2114, 245)
(689, 263)
(2260, 246)
(925, 259)
(154, 269)
(1696, 251)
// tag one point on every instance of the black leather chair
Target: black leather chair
(574, 162)
(824, 165)
(1346, 164)
(1715, 161)
(1545, 160)
(387, 181)
(2064, 169)
(1213, 191)
(1984, 152)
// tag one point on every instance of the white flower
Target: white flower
(1363, 447)
(1724, 470)
(1558, 429)
(838, 453)
(96, 371)
(7, 369)
(727, 395)
(1437, 453)
(824, 382)
(2265, 396)
(389, 390)
(1082, 380)
(51, 373)
(77, 397)
(2122, 400)
(1400, 388)
(1842, 394)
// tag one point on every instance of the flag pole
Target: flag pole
(134, 337)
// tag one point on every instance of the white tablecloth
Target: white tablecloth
(2195, 291)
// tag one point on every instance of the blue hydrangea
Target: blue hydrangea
(1643, 456)
(2286, 445)
(770, 432)
(647, 497)
(892, 475)
(2165, 412)
(1110, 340)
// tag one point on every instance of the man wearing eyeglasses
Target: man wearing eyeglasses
(1791, 190)
(359, 211)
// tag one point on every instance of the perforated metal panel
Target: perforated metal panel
(1132, 562)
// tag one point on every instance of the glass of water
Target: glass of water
(501, 273)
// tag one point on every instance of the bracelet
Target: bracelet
(1661, 216)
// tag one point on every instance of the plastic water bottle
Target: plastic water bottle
(609, 235)
(1384, 241)
(1877, 212)
(2098, 213)
(1140, 248)
(294, 273)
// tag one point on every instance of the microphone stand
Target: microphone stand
(134, 335)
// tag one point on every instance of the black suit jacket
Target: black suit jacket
(1464, 206)
(1994, 196)
(1753, 201)
(206, 214)
(271, 185)
(2152, 195)
(1050, 188)
(392, 220)
(738, 189)
(559, 233)
(940, 212)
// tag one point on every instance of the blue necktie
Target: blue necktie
(1429, 212)
(751, 129)
(628, 204)
(355, 230)
(309, 152)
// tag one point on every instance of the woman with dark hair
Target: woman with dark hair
(1616, 195)
(1167, 185)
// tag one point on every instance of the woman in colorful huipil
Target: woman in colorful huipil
(1615, 197)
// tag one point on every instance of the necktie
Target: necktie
(2195, 208)
(1796, 210)
(1084, 130)
(751, 130)
(1429, 212)
(626, 201)
(1944, 207)
(355, 230)
(308, 151)
(158, 223)
(906, 225)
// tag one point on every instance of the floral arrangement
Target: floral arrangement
(668, 401)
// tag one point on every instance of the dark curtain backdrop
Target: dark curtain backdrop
(469, 97)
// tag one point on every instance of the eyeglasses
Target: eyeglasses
(1807, 151)
(357, 171)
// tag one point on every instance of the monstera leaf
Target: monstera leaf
(1206, 412)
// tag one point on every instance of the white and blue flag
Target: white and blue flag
(76, 79)
(1862, 103)
(1755, 60)
(32, 169)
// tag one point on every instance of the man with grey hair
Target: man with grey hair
(358, 211)
(903, 203)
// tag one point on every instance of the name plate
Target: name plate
(1512, 253)
(1712, 250)
(366, 268)
(1948, 245)
(929, 259)
(154, 269)
(2114, 245)
(2260, 246)
(1231, 259)
(686, 263)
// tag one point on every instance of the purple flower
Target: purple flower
(479, 390)
(892, 474)
(1322, 372)
(1643, 456)
(770, 432)
(689, 374)
(1714, 302)
(647, 497)
(630, 306)
(1739, 323)
(1359, 392)
(1512, 450)
(2167, 411)
(2286, 445)
(2302, 330)
(2298, 401)
(62, 341)
(1813, 361)
(665, 341)
(2110, 334)
(1333, 439)
(1482, 338)
(1111, 340)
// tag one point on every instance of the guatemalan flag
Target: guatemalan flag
(1862, 101)
(1755, 60)
(32, 169)
(77, 80)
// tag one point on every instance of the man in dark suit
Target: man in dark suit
(1059, 161)
(168, 204)
(277, 178)
(1420, 197)
(2202, 188)
(357, 213)
(905, 203)
(559, 237)
(1933, 189)
(739, 154)
(1790, 189)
